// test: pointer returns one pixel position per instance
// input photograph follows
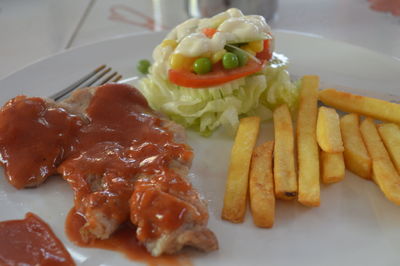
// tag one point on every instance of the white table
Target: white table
(32, 30)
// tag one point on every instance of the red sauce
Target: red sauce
(121, 141)
(31, 242)
(34, 139)
(118, 164)
(123, 240)
(157, 211)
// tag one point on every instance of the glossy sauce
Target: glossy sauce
(162, 211)
(31, 242)
(118, 163)
(34, 139)
(121, 141)
(123, 241)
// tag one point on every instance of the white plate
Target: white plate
(355, 224)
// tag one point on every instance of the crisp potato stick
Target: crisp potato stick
(261, 186)
(390, 134)
(285, 176)
(355, 153)
(238, 176)
(383, 171)
(332, 167)
(329, 137)
(307, 147)
(367, 106)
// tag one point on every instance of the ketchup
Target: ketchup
(31, 242)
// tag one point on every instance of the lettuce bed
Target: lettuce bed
(206, 109)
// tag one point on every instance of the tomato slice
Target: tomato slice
(265, 54)
(219, 75)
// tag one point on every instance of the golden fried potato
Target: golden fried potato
(261, 186)
(383, 171)
(332, 167)
(355, 153)
(390, 134)
(329, 137)
(363, 105)
(307, 147)
(237, 184)
(285, 175)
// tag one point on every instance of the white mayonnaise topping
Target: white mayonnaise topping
(232, 27)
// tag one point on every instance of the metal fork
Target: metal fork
(94, 78)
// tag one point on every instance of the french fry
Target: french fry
(329, 137)
(307, 148)
(390, 134)
(383, 171)
(356, 156)
(237, 184)
(330, 141)
(367, 106)
(261, 186)
(332, 167)
(285, 176)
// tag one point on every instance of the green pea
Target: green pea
(143, 66)
(242, 56)
(230, 60)
(202, 65)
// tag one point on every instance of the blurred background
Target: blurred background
(33, 29)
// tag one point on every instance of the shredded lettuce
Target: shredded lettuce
(280, 88)
(206, 109)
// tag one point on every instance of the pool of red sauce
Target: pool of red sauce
(117, 115)
(31, 242)
(123, 240)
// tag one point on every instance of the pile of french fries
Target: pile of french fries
(321, 147)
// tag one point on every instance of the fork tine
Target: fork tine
(90, 79)
(76, 84)
(96, 77)
(108, 78)
(117, 78)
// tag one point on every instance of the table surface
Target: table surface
(32, 30)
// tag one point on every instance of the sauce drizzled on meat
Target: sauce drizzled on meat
(34, 139)
(121, 141)
(31, 242)
(121, 241)
(121, 160)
